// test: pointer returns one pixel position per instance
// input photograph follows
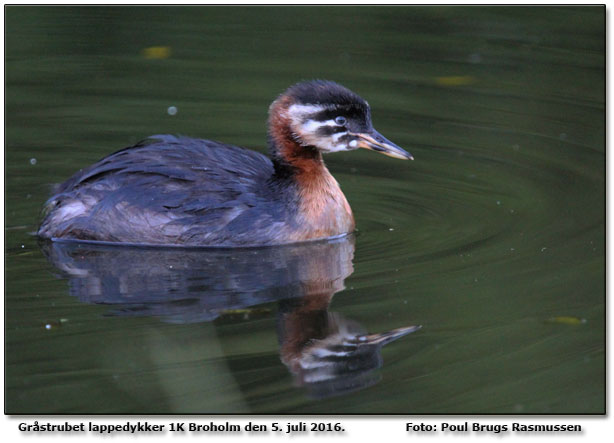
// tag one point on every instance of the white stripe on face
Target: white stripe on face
(314, 125)
(303, 110)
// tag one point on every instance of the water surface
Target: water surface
(493, 239)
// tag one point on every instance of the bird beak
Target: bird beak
(375, 141)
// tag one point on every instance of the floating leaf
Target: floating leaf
(159, 52)
(567, 320)
(457, 80)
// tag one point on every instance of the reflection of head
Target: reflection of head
(189, 285)
(328, 354)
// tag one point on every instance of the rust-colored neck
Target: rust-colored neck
(286, 150)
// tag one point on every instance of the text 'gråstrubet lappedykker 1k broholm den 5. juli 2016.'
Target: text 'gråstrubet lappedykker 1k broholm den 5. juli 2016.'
(180, 427)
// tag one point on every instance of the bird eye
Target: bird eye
(341, 120)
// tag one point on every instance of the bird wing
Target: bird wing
(168, 189)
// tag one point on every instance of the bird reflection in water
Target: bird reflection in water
(326, 353)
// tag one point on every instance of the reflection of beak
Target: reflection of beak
(375, 141)
(387, 337)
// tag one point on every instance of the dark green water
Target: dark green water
(493, 239)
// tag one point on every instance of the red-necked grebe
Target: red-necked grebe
(169, 190)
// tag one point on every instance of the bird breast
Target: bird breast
(323, 209)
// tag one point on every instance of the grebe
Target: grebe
(169, 190)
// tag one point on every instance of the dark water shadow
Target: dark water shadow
(326, 353)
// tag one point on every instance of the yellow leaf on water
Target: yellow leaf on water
(455, 80)
(157, 52)
(567, 320)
